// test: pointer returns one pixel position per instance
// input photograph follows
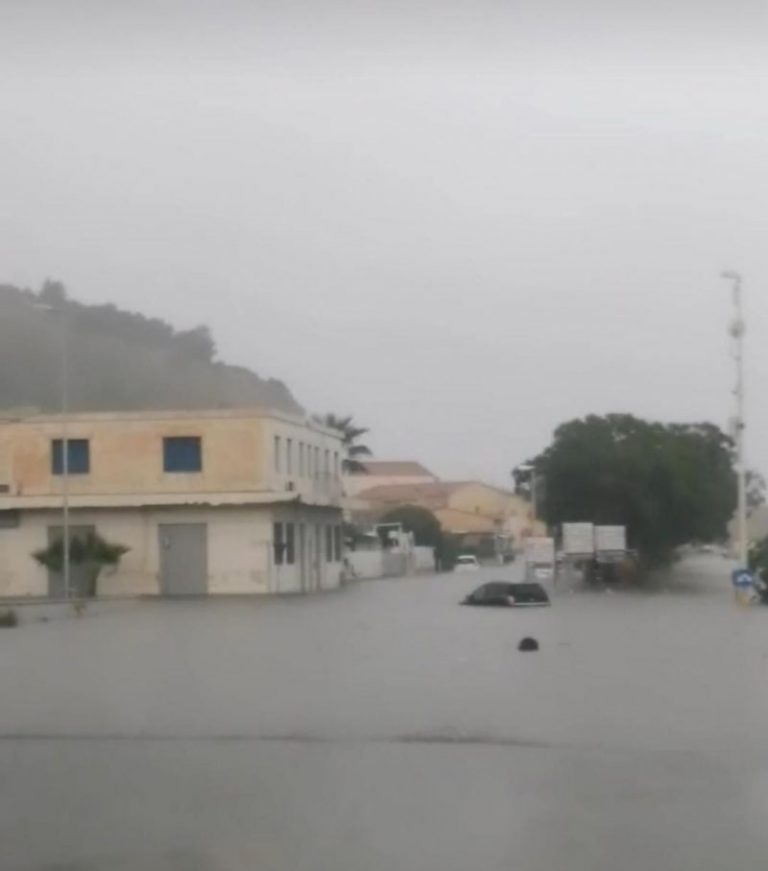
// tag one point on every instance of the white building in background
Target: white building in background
(227, 501)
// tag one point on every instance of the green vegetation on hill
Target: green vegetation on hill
(119, 360)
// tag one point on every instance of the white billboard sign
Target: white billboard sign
(578, 539)
(540, 551)
(610, 539)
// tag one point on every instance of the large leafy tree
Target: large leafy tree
(350, 435)
(420, 521)
(668, 483)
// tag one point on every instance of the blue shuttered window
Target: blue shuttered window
(182, 454)
(78, 456)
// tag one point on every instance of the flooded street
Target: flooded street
(385, 727)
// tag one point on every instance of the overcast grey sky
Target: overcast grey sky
(462, 222)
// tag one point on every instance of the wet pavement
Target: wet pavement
(385, 727)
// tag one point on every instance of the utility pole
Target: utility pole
(736, 330)
(65, 451)
(64, 410)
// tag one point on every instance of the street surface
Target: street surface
(384, 727)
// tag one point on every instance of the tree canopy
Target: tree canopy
(668, 483)
(425, 527)
(350, 433)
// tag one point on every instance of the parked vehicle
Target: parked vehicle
(467, 562)
(505, 595)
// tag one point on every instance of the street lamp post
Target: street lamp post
(737, 330)
(65, 454)
(64, 411)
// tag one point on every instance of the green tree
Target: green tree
(668, 483)
(425, 527)
(350, 433)
(89, 552)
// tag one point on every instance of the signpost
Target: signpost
(540, 558)
(578, 539)
(610, 539)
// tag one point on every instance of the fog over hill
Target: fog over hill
(118, 360)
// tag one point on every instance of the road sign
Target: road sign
(540, 551)
(742, 578)
(611, 539)
(578, 539)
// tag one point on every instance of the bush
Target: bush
(8, 619)
(89, 548)
(90, 552)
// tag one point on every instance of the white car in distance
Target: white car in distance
(467, 562)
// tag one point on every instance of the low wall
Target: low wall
(367, 564)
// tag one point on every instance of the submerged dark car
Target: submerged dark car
(508, 595)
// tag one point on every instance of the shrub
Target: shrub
(90, 551)
(8, 619)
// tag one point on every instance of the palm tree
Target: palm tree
(349, 436)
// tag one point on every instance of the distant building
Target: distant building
(485, 517)
(380, 473)
(225, 501)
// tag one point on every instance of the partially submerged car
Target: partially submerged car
(503, 594)
(467, 562)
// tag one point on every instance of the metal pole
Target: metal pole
(737, 330)
(65, 452)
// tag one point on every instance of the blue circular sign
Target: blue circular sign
(742, 578)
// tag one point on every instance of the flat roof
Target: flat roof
(11, 416)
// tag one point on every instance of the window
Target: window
(335, 464)
(317, 462)
(78, 457)
(301, 459)
(277, 453)
(182, 454)
(327, 464)
(329, 544)
(277, 543)
(9, 519)
(289, 456)
(337, 543)
(290, 543)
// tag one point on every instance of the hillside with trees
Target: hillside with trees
(118, 360)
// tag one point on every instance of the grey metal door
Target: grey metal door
(183, 559)
(77, 574)
(318, 580)
(303, 556)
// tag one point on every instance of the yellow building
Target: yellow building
(386, 473)
(466, 508)
(225, 501)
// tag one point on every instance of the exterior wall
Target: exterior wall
(510, 513)
(366, 564)
(311, 571)
(318, 476)
(126, 454)
(239, 543)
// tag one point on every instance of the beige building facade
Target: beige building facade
(231, 502)
(462, 507)
(386, 473)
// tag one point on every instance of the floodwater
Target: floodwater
(385, 727)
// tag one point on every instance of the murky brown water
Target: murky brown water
(387, 727)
